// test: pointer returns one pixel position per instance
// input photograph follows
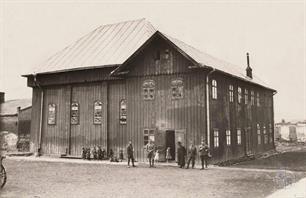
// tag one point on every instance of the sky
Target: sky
(273, 32)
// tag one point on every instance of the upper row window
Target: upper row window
(148, 88)
(177, 89)
(214, 89)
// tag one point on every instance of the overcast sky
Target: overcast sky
(273, 32)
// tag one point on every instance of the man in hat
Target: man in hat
(204, 154)
(130, 154)
(192, 152)
(150, 148)
(181, 153)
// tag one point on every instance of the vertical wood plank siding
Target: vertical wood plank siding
(86, 133)
(54, 137)
(35, 118)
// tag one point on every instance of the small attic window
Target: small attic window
(157, 55)
(167, 54)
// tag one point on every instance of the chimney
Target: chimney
(249, 69)
(2, 97)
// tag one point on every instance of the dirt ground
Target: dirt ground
(61, 179)
(290, 157)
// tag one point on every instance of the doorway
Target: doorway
(170, 142)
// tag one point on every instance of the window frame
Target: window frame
(231, 93)
(239, 136)
(228, 137)
(97, 112)
(259, 139)
(75, 113)
(52, 114)
(239, 93)
(148, 133)
(148, 89)
(177, 86)
(214, 89)
(216, 138)
(252, 97)
(123, 111)
(246, 96)
(266, 138)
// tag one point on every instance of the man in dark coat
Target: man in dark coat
(181, 153)
(204, 154)
(192, 152)
(130, 154)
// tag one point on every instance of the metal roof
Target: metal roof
(10, 107)
(113, 44)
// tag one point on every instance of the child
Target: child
(156, 157)
(168, 155)
(88, 153)
(94, 153)
(100, 157)
(121, 155)
(83, 153)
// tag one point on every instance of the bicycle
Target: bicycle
(2, 173)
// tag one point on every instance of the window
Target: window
(252, 98)
(270, 133)
(228, 137)
(216, 138)
(246, 96)
(148, 88)
(98, 112)
(231, 93)
(123, 112)
(75, 113)
(257, 99)
(214, 89)
(238, 136)
(258, 134)
(265, 135)
(148, 134)
(177, 89)
(52, 114)
(239, 95)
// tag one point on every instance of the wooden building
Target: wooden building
(128, 81)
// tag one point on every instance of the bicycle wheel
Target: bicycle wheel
(2, 176)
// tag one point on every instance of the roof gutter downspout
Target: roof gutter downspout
(41, 114)
(207, 107)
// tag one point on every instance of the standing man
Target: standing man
(204, 154)
(181, 153)
(130, 153)
(192, 152)
(150, 148)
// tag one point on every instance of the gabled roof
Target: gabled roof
(114, 44)
(10, 107)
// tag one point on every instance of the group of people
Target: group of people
(153, 154)
(204, 154)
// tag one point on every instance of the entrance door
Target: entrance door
(170, 142)
(248, 141)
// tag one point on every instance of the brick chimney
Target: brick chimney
(2, 97)
(248, 69)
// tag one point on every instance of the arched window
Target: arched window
(52, 114)
(214, 89)
(231, 93)
(239, 95)
(123, 111)
(148, 88)
(177, 89)
(97, 112)
(75, 113)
